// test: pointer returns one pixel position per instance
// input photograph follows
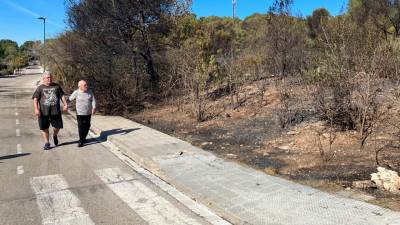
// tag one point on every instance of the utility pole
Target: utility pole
(233, 8)
(44, 41)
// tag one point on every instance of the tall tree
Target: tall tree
(385, 14)
(281, 7)
(136, 27)
(9, 48)
(285, 39)
(316, 20)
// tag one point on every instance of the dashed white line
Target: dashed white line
(149, 205)
(16, 113)
(17, 121)
(57, 204)
(20, 170)
(18, 132)
(19, 149)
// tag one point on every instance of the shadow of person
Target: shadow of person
(8, 76)
(105, 134)
(90, 141)
(102, 137)
(13, 156)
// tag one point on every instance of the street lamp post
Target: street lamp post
(233, 9)
(44, 40)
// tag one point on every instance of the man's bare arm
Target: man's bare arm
(64, 100)
(94, 106)
(36, 106)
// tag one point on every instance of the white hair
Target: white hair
(81, 82)
(46, 73)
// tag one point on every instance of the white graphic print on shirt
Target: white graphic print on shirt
(51, 97)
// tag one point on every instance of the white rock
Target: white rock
(387, 180)
(231, 155)
(327, 135)
(204, 143)
(284, 147)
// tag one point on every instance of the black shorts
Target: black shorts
(45, 121)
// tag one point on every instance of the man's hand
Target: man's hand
(93, 111)
(37, 113)
(64, 100)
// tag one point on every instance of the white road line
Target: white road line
(149, 205)
(18, 132)
(16, 113)
(196, 207)
(20, 170)
(19, 149)
(57, 204)
(17, 121)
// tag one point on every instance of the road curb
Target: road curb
(153, 167)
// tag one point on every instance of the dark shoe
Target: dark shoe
(55, 139)
(85, 141)
(46, 146)
(80, 144)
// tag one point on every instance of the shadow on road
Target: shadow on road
(91, 141)
(30, 74)
(8, 76)
(104, 134)
(13, 156)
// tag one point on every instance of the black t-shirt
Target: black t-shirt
(49, 99)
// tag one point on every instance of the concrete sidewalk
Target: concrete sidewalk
(238, 193)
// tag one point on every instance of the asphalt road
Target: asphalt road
(70, 185)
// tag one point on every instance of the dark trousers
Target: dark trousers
(83, 126)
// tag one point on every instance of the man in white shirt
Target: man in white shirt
(85, 108)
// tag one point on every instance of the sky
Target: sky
(245, 8)
(18, 18)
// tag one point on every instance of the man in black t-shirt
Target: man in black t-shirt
(46, 101)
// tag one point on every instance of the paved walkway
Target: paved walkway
(68, 185)
(238, 193)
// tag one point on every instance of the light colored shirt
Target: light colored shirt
(85, 102)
